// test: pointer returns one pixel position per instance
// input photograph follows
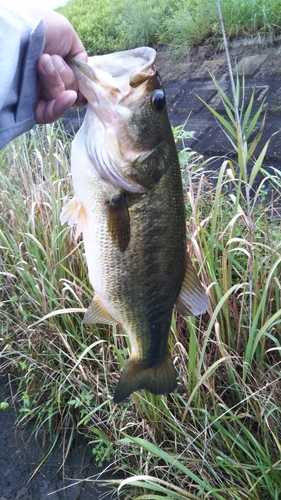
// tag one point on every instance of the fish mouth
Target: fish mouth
(109, 71)
(88, 74)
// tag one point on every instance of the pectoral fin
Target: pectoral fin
(96, 314)
(73, 213)
(192, 299)
(118, 220)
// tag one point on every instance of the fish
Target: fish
(129, 205)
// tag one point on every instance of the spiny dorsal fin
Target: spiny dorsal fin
(73, 213)
(192, 299)
(118, 220)
(97, 314)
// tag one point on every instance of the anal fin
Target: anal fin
(192, 299)
(73, 213)
(97, 314)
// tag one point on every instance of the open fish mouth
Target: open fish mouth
(110, 72)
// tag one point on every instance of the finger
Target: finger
(50, 111)
(68, 78)
(51, 82)
(56, 76)
(65, 73)
(82, 56)
(61, 38)
(77, 48)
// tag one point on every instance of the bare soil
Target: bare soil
(22, 477)
(198, 62)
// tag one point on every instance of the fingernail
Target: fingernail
(58, 63)
(48, 66)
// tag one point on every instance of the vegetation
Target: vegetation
(106, 25)
(219, 435)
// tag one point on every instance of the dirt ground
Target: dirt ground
(20, 456)
(200, 62)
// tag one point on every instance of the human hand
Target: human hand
(58, 89)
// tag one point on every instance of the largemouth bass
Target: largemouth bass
(129, 205)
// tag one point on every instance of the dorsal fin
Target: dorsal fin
(192, 299)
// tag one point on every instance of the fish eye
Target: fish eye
(158, 100)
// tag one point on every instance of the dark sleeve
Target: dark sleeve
(21, 44)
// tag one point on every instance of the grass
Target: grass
(219, 435)
(106, 26)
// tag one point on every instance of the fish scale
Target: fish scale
(130, 208)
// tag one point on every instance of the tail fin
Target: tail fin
(158, 379)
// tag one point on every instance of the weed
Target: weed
(4, 405)
(106, 26)
(219, 435)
